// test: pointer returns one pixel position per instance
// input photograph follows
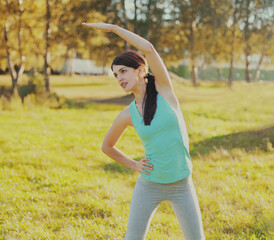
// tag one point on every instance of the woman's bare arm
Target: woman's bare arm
(162, 78)
(122, 121)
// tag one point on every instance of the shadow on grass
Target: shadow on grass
(78, 85)
(124, 100)
(262, 139)
(249, 140)
(86, 102)
(117, 167)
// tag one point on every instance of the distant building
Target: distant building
(81, 66)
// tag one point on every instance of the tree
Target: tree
(233, 34)
(21, 45)
(47, 69)
(96, 45)
(246, 22)
(15, 10)
(261, 41)
(262, 44)
(213, 43)
(189, 18)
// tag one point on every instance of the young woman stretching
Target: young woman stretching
(166, 170)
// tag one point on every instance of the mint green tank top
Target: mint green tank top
(165, 142)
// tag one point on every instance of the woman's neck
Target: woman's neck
(139, 93)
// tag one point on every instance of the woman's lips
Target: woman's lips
(124, 84)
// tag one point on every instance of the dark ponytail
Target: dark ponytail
(134, 59)
(150, 99)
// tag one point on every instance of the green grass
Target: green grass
(57, 184)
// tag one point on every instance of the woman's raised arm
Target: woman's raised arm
(162, 79)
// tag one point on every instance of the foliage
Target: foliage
(32, 93)
(196, 29)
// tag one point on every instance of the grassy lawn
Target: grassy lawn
(57, 184)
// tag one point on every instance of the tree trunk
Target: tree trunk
(126, 45)
(70, 70)
(231, 67)
(247, 73)
(219, 74)
(11, 67)
(70, 57)
(135, 16)
(22, 57)
(14, 73)
(193, 67)
(247, 35)
(148, 20)
(194, 73)
(232, 43)
(47, 70)
(258, 71)
(104, 68)
(68, 63)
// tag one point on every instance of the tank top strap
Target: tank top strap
(134, 114)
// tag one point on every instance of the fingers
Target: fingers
(146, 165)
(88, 24)
(99, 26)
(145, 160)
(145, 172)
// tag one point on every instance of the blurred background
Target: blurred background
(197, 39)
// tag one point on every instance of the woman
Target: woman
(156, 115)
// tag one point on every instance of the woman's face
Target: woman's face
(127, 76)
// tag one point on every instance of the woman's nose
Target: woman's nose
(119, 77)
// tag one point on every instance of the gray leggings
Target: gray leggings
(183, 199)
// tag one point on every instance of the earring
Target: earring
(145, 79)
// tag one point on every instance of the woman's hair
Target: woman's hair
(134, 59)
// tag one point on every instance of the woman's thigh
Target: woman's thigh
(184, 201)
(145, 200)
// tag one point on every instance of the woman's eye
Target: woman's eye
(123, 71)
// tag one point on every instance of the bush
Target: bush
(55, 101)
(32, 93)
(11, 103)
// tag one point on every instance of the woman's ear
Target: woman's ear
(141, 72)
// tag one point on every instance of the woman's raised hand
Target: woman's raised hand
(105, 27)
(142, 165)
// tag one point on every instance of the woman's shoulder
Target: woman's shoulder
(125, 115)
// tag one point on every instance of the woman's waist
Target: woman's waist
(177, 151)
(168, 163)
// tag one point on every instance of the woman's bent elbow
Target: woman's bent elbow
(105, 148)
(149, 48)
